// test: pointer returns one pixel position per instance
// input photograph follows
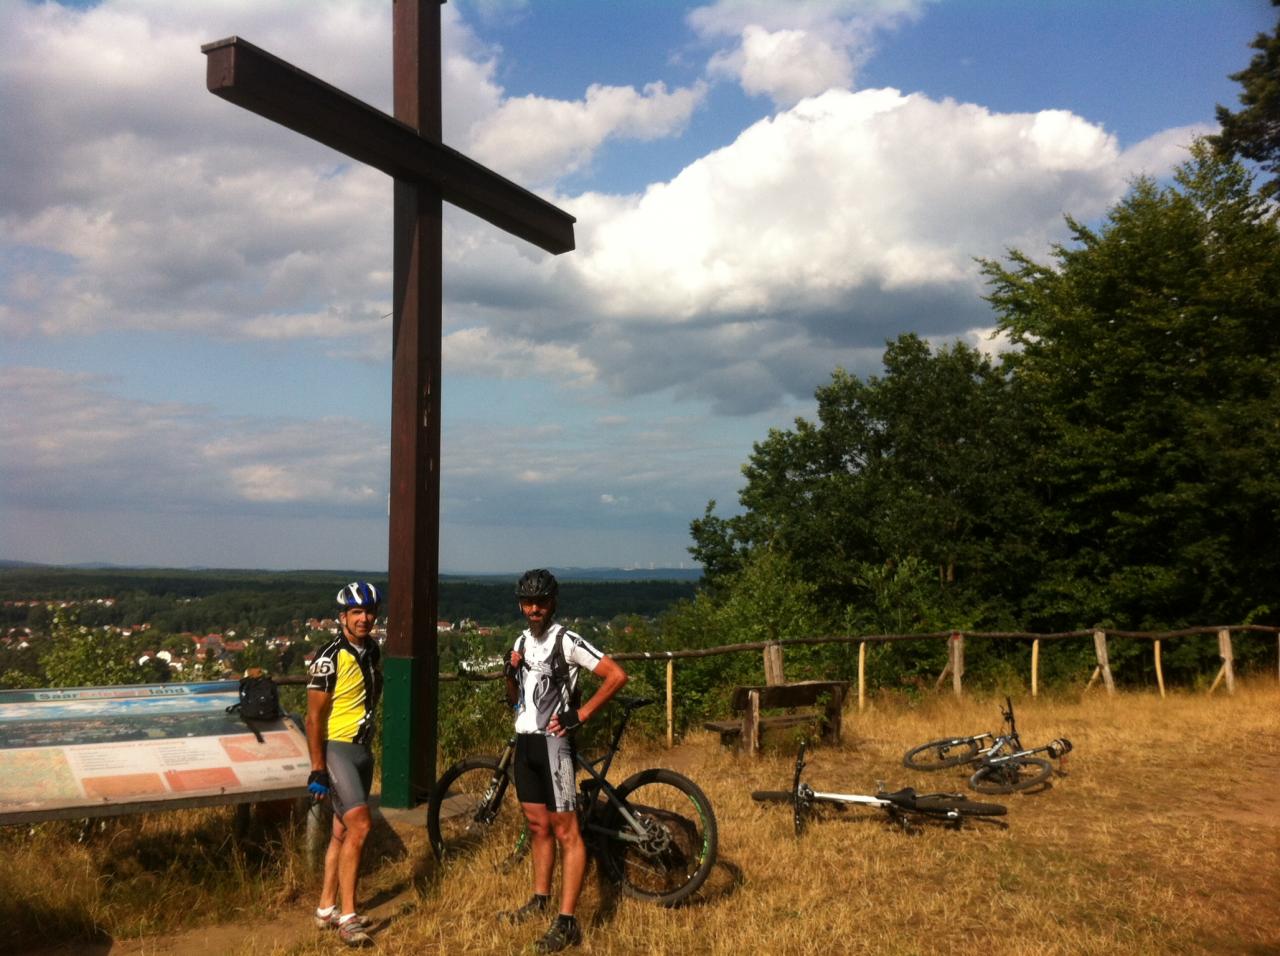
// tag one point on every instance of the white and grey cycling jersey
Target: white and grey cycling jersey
(541, 694)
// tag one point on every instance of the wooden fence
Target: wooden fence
(954, 668)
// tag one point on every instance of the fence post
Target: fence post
(1227, 669)
(862, 676)
(671, 680)
(751, 723)
(1159, 670)
(946, 669)
(957, 661)
(317, 831)
(1104, 664)
(1035, 667)
(773, 674)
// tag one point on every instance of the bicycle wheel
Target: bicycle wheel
(679, 847)
(943, 804)
(1019, 773)
(937, 754)
(470, 809)
(801, 803)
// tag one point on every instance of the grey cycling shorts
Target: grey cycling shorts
(350, 769)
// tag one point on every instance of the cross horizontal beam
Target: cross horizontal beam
(264, 84)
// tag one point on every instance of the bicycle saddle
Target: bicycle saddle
(633, 703)
(906, 797)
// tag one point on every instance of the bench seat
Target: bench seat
(824, 700)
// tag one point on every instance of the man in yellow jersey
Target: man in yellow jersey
(342, 695)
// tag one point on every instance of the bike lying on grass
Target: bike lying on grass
(654, 834)
(1004, 764)
(904, 807)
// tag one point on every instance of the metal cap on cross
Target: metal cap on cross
(408, 147)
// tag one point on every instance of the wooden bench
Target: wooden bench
(749, 701)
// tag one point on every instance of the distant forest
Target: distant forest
(199, 601)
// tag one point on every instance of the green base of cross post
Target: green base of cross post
(408, 735)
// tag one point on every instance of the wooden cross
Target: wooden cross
(408, 147)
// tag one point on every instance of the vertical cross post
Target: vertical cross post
(412, 655)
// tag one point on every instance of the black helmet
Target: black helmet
(538, 583)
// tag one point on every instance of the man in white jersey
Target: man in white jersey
(542, 677)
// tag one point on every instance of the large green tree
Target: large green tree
(1150, 347)
(925, 461)
(1253, 132)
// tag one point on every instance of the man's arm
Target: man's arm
(319, 704)
(509, 672)
(612, 677)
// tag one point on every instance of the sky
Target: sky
(195, 328)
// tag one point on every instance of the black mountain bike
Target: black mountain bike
(654, 834)
(1004, 765)
(904, 807)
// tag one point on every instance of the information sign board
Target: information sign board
(102, 751)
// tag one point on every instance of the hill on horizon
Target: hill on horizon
(565, 574)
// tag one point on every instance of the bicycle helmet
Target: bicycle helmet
(359, 594)
(538, 583)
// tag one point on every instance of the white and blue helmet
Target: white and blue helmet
(359, 594)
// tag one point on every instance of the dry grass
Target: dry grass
(91, 882)
(1164, 838)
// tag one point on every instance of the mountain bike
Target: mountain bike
(904, 807)
(1005, 765)
(654, 834)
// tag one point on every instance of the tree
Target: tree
(1254, 131)
(80, 657)
(926, 461)
(1150, 350)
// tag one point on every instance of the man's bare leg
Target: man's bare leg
(332, 853)
(357, 823)
(542, 846)
(573, 854)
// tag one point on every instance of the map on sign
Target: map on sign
(104, 750)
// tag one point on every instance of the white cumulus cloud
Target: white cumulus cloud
(788, 51)
(569, 133)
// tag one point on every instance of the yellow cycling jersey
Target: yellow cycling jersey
(354, 679)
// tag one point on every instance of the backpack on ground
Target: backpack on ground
(259, 701)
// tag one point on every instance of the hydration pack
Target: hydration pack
(259, 701)
(559, 666)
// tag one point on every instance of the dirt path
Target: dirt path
(290, 930)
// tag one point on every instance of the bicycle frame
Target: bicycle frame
(996, 754)
(897, 813)
(598, 784)
(900, 806)
(857, 799)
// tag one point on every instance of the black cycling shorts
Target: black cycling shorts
(545, 771)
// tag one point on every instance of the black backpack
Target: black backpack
(259, 701)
